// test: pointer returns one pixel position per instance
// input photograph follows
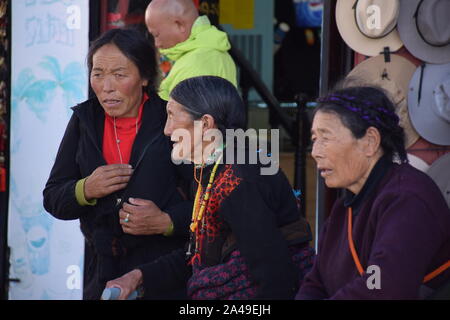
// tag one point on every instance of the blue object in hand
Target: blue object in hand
(114, 293)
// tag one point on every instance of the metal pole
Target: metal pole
(301, 143)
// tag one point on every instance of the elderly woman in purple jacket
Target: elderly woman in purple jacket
(389, 235)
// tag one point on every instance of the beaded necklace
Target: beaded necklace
(199, 209)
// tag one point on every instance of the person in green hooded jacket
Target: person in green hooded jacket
(195, 46)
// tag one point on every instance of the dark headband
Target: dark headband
(352, 104)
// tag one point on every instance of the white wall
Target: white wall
(49, 46)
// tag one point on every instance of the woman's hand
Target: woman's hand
(106, 180)
(127, 283)
(143, 217)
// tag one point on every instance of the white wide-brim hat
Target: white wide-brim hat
(424, 27)
(429, 102)
(417, 163)
(439, 171)
(394, 77)
(369, 26)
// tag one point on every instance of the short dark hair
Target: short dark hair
(136, 47)
(362, 107)
(214, 96)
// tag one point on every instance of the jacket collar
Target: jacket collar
(203, 35)
(378, 172)
(92, 117)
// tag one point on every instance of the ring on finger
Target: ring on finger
(127, 218)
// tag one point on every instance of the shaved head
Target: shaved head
(175, 8)
(170, 21)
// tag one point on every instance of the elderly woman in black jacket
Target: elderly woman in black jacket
(115, 158)
(248, 240)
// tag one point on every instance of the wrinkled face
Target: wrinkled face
(163, 28)
(341, 158)
(183, 130)
(116, 82)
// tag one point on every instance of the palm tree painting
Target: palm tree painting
(71, 80)
(32, 91)
(38, 93)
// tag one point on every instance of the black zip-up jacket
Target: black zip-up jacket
(253, 212)
(109, 252)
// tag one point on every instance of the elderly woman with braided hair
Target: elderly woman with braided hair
(389, 236)
(247, 238)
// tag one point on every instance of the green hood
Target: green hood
(203, 35)
(205, 52)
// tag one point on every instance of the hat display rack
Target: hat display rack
(403, 46)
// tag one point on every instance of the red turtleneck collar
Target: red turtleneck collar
(126, 130)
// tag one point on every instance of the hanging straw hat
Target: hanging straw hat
(393, 77)
(429, 102)
(440, 173)
(424, 28)
(368, 26)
